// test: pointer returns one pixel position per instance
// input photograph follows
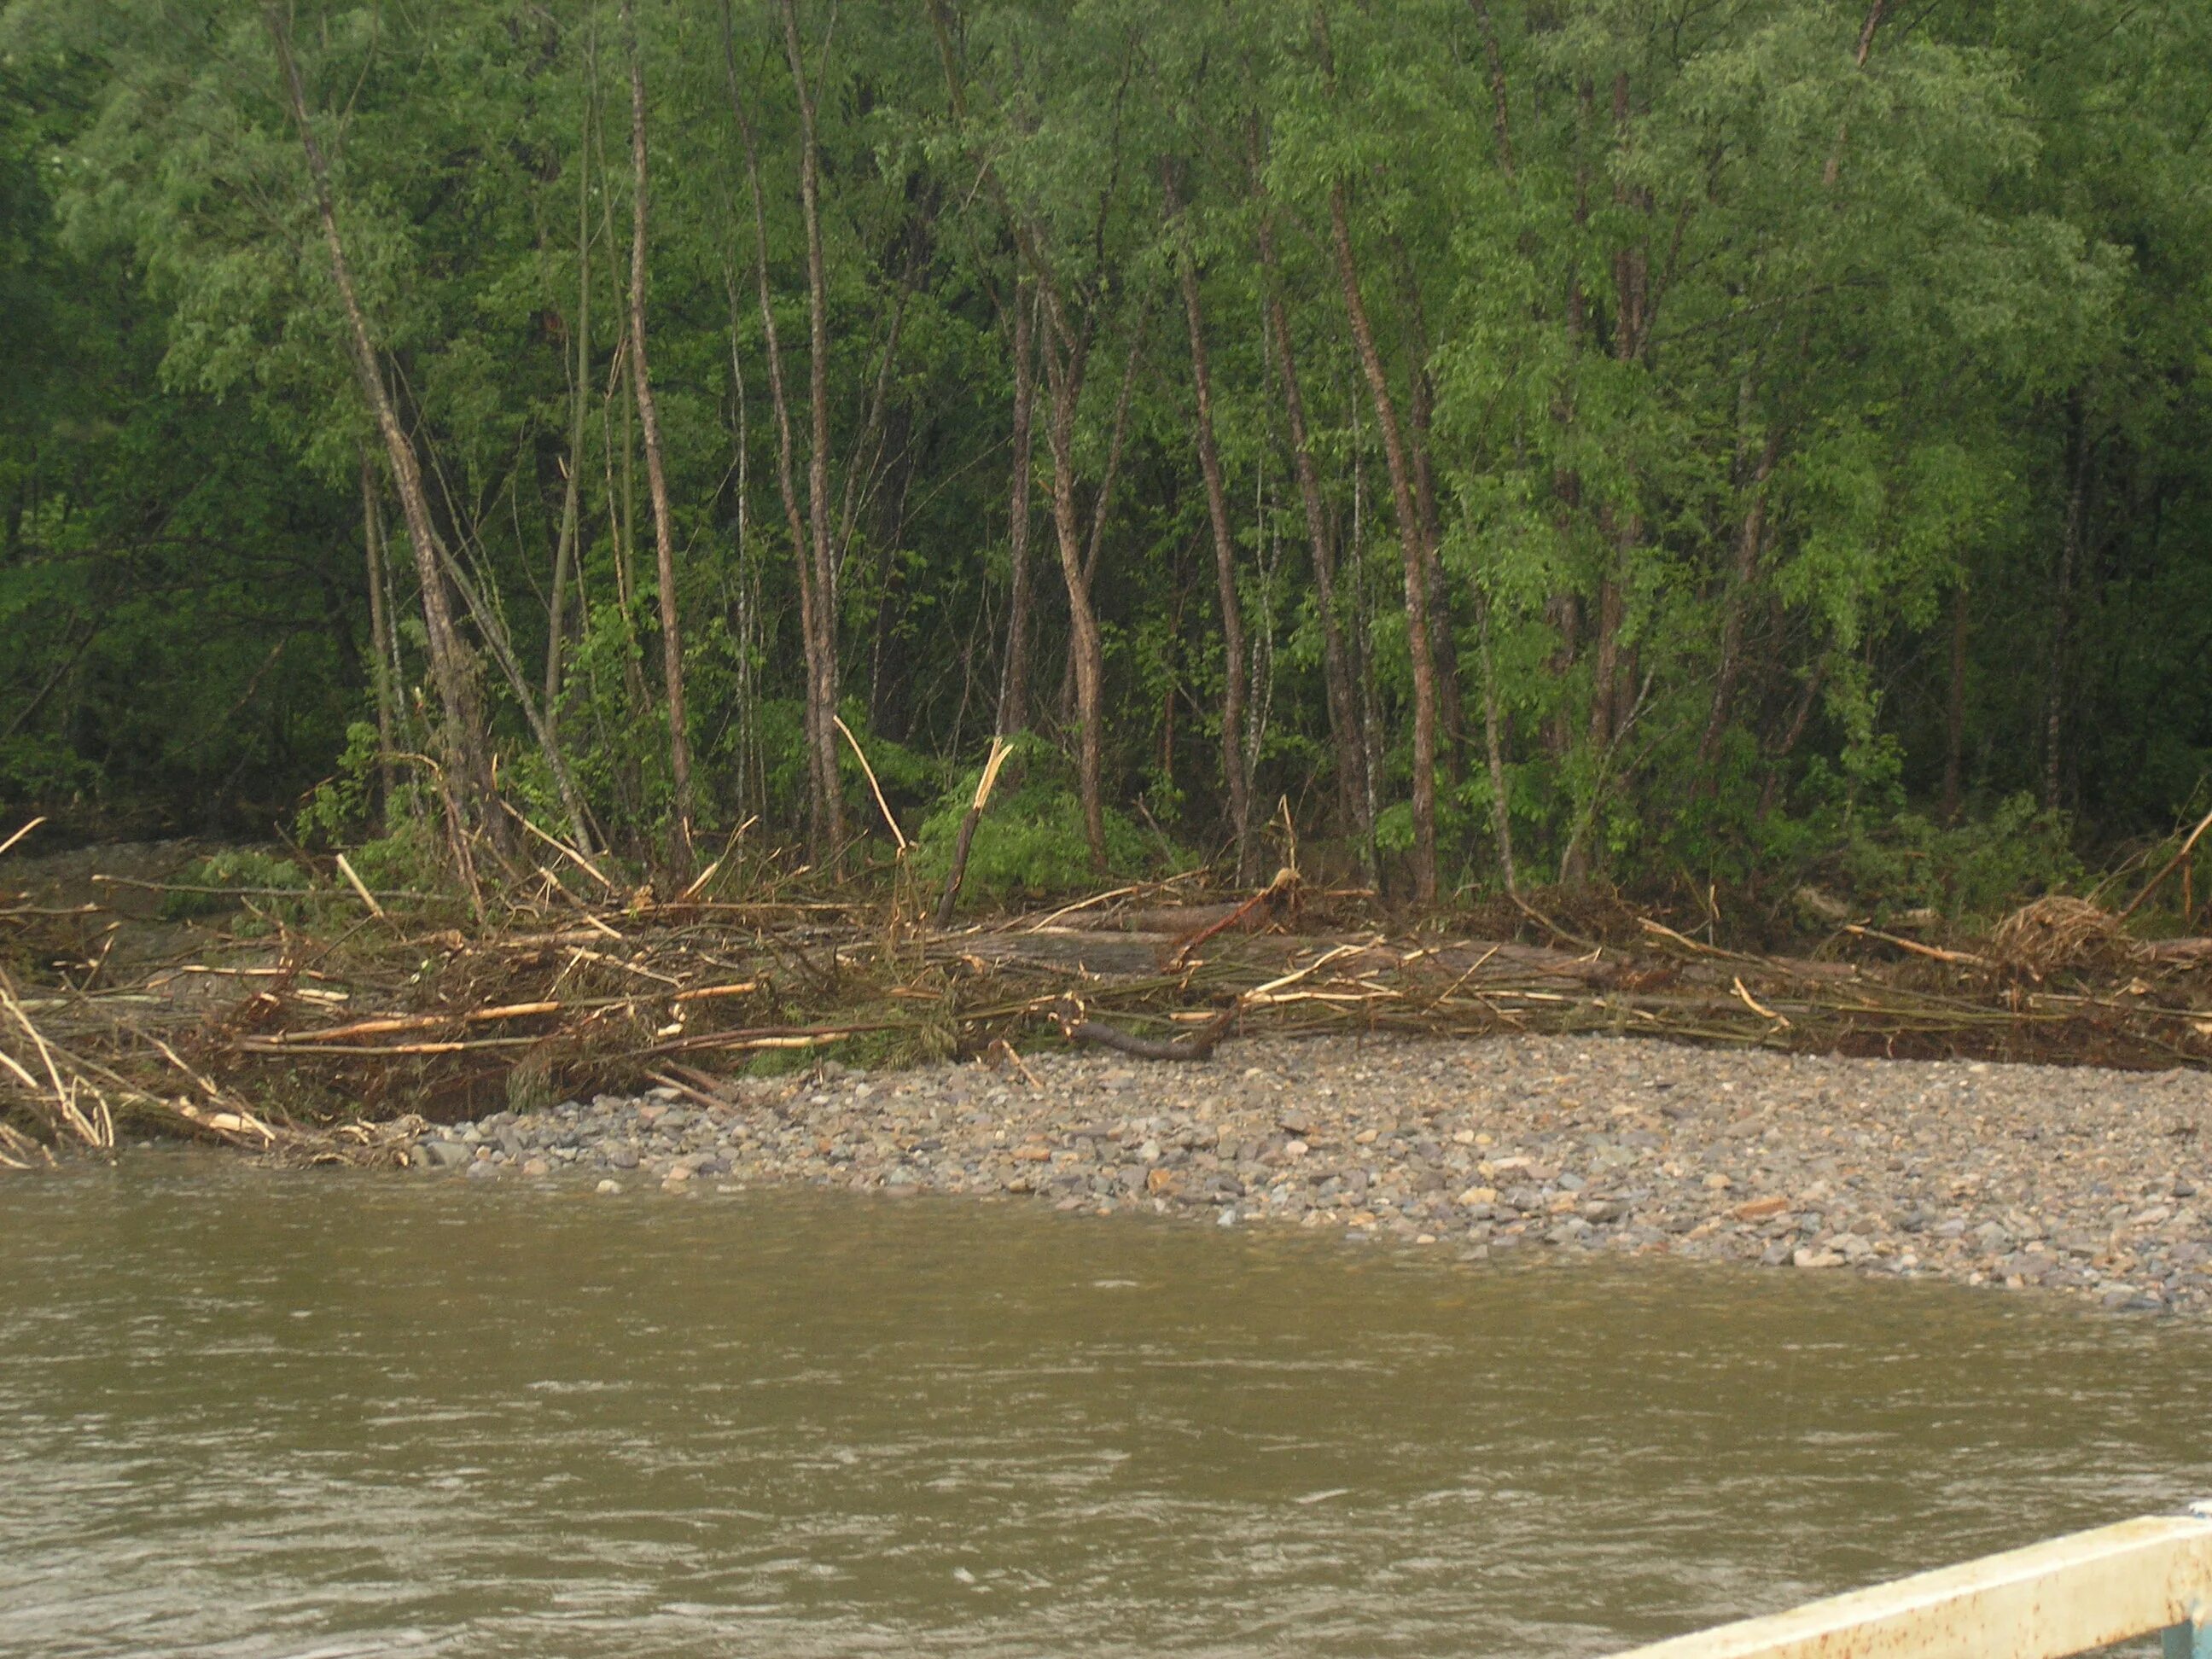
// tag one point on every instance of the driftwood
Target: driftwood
(1069, 1014)
(411, 1013)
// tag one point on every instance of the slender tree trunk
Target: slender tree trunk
(1102, 503)
(1494, 738)
(823, 826)
(1350, 744)
(1954, 710)
(1224, 547)
(1451, 702)
(1415, 554)
(1064, 376)
(1751, 536)
(379, 636)
(1014, 678)
(1564, 609)
(1421, 409)
(1751, 533)
(2062, 615)
(656, 471)
(471, 784)
(571, 496)
(822, 686)
(1611, 684)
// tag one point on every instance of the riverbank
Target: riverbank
(2071, 1179)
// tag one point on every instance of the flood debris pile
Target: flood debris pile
(320, 1028)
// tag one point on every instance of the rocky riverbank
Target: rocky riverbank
(2075, 1179)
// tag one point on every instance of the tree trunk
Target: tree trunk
(1751, 536)
(1014, 678)
(822, 665)
(1350, 744)
(1224, 547)
(821, 791)
(1451, 702)
(571, 496)
(2061, 618)
(1611, 689)
(656, 472)
(470, 786)
(1955, 711)
(379, 637)
(1064, 363)
(1411, 545)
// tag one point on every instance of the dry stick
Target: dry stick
(1000, 750)
(1934, 953)
(20, 834)
(360, 887)
(1068, 1013)
(564, 849)
(1551, 927)
(859, 754)
(708, 992)
(2149, 887)
(1697, 946)
(264, 1046)
(1286, 879)
(1750, 1002)
(711, 1102)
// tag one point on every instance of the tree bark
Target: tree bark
(1064, 365)
(379, 636)
(1421, 398)
(822, 664)
(1751, 536)
(822, 789)
(1954, 710)
(1350, 742)
(1014, 677)
(2061, 618)
(656, 471)
(1224, 546)
(1421, 405)
(1411, 542)
(471, 785)
(571, 496)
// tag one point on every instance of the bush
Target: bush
(1977, 871)
(234, 868)
(1030, 844)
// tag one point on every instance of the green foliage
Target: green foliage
(1974, 872)
(222, 880)
(1816, 439)
(341, 807)
(1030, 844)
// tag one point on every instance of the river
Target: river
(247, 1412)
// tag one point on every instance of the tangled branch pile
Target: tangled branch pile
(307, 1046)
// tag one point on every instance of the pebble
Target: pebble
(2071, 1179)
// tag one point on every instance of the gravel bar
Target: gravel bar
(2075, 1179)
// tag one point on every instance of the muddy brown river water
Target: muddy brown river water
(248, 1413)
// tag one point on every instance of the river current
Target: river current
(251, 1413)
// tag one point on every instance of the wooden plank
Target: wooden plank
(2064, 1596)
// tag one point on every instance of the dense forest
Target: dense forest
(1498, 442)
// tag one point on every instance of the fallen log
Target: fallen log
(1075, 1024)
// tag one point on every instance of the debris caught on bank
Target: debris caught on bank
(318, 1044)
